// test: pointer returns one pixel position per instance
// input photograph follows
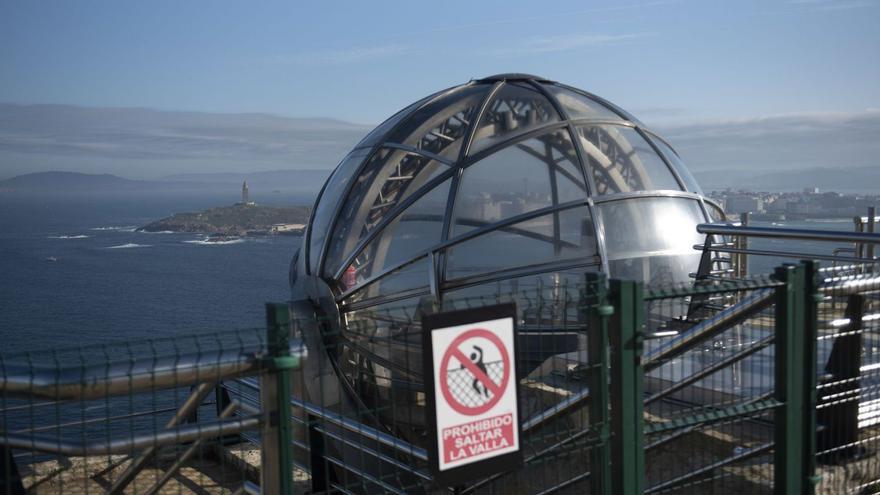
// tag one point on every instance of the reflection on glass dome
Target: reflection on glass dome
(500, 185)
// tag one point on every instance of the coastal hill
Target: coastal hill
(236, 220)
(73, 181)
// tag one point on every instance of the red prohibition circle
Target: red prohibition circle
(444, 366)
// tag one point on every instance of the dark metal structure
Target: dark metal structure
(501, 185)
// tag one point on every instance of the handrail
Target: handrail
(126, 445)
(841, 286)
(708, 328)
(99, 381)
(346, 423)
(785, 254)
(365, 431)
(783, 233)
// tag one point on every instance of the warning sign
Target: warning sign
(470, 359)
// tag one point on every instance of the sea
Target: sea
(74, 271)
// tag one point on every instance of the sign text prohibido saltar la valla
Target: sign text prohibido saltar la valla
(472, 393)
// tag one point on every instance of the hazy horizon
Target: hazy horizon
(139, 143)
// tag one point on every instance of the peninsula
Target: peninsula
(241, 219)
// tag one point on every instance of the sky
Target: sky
(675, 64)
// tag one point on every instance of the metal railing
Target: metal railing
(858, 238)
(75, 386)
(727, 247)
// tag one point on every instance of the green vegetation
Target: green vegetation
(236, 220)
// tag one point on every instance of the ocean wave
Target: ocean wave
(78, 236)
(157, 232)
(208, 242)
(124, 228)
(130, 245)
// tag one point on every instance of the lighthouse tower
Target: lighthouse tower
(245, 194)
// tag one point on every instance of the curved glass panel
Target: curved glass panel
(386, 365)
(336, 185)
(515, 108)
(652, 239)
(379, 132)
(412, 276)
(579, 106)
(440, 126)
(619, 111)
(526, 176)
(389, 178)
(412, 231)
(561, 235)
(622, 161)
(716, 214)
(549, 316)
(672, 157)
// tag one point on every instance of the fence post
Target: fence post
(789, 372)
(811, 300)
(599, 311)
(627, 418)
(276, 435)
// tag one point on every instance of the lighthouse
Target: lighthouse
(245, 194)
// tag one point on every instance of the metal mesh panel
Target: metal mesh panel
(142, 416)
(848, 389)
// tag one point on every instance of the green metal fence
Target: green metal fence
(726, 389)
(763, 385)
(138, 417)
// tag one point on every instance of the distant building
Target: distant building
(779, 205)
(744, 204)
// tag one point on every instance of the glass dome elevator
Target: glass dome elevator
(499, 186)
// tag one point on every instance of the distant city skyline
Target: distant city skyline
(756, 85)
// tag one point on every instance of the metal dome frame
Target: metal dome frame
(437, 281)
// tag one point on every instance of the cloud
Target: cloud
(564, 42)
(546, 14)
(830, 5)
(659, 111)
(535, 45)
(571, 41)
(139, 141)
(779, 142)
(343, 56)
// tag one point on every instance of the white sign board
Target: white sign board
(472, 392)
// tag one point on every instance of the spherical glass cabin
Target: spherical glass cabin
(490, 189)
